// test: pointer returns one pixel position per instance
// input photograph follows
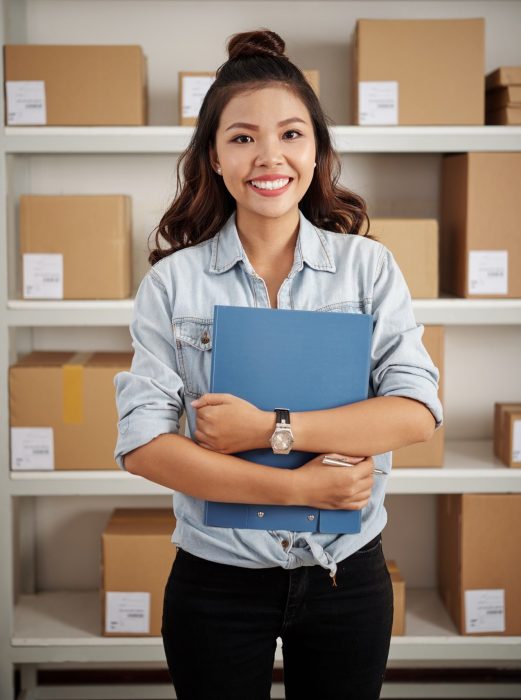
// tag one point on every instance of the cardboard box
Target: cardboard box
(505, 115)
(479, 573)
(75, 85)
(75, 246)
(511, 444)
(137, 556)
(399, 598)
(63, 410)
(507, 433)
(508, 96)
(499, 411)
(480, 211)
(432, 452)
(505, 75)
(193, 86)
(402, 75)
(313, 78)
(414, 244)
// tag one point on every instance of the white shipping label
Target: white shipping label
(43, 275)
(32, 448)
(127, 612)
(195, 88)
(485, 610)
(25, 102)
(378, 102)
(516, 441)
(488, 272)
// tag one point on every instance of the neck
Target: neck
(267, 240)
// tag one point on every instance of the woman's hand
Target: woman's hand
(333, 488)
(225, 423)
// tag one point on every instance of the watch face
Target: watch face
(282, 440)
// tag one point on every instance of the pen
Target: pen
(339, 462)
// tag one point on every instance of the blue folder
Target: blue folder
(295, 359)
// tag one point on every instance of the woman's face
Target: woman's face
(265, 139)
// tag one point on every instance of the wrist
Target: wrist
(267, 424)
(291, 487)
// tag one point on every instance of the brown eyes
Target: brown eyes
(245, 136)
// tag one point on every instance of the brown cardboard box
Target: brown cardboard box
(90, 237)
(414, 244)
(477, 542)
(191, 94)
(480, 245)
(399, 598)
(84, 85)
(137, 556)
(313, 78)
(433, 86)
(505, 115)
(508, 96)
(505, 75)
(430, 453)
(70, 396)
(499, 411)
(511, 448)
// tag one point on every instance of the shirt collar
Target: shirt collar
(312, 248)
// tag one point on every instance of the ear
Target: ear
(214, 161)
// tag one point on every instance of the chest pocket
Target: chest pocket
(351, 307)
(193, 341)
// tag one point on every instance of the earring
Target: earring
(219, 170)
(315, 165)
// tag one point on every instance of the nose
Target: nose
(269, 154)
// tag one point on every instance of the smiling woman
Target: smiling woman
(261, 221)
(260, 122)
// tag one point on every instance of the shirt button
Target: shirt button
(285, 544)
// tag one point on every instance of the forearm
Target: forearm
(361, 429)
(180, 464)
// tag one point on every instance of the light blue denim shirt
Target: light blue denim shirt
(172, 339)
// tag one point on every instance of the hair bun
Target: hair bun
(261, 42)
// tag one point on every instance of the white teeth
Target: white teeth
(270, 184)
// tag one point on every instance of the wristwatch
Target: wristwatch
(282, 438)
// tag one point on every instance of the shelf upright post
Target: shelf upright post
(12, 30)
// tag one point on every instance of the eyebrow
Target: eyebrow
(253, 127)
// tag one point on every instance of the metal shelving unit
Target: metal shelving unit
(64, 626)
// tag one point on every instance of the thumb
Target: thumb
(208, 400)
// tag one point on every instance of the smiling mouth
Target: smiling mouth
(270, 185)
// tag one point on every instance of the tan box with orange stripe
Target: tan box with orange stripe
(63, 411)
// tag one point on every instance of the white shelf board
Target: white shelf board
(65, 626)
(28, 313)
(174, 139)
(443, 311)
(83, 483)
(470, 467)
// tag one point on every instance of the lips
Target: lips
(264, 192)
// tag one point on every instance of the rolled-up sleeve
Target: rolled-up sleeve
(149, 397)
(400, 364)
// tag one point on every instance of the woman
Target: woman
(261, 221)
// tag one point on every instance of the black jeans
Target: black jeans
(221, 622)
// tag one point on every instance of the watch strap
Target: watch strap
(282, 415)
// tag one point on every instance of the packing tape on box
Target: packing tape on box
(73, 387)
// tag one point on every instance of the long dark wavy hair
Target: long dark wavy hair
(202, 204)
